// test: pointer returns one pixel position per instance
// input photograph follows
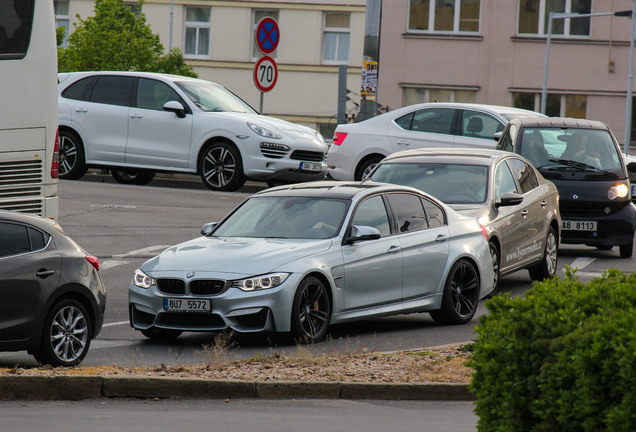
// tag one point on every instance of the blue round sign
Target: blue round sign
(267, 35)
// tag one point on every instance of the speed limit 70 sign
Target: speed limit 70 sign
(265, 73)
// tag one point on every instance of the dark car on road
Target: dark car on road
(583, 159)
(52, 298)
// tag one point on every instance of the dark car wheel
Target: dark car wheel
(221, 167)
(72, 161)
(626, 250)
(311, 311)
(548, 266)
(158, 334)
(494, 258)
(366, 167)
(132, 176)
(461, 295)
(66, 336)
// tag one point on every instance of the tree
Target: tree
(116, 38)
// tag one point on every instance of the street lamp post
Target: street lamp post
(630, 77)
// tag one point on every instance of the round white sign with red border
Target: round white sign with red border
(265, 73)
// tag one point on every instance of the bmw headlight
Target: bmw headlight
(260, 282)
(142, 280)
(264, 132)
(618, 191)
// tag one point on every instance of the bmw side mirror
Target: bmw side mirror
(175, 107)
(362, 233)
(509, 199)
(208, 228)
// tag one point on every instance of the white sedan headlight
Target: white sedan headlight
(260, 282)
(264, 132)
(142, 280)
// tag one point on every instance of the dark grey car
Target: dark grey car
(516, 205)
(52, 299)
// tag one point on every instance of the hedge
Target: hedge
(562, 358)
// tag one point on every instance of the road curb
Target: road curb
(141, 387)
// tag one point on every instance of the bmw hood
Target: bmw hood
(240, 256)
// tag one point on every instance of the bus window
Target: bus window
(16, 21)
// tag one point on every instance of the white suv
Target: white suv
(358, 147)
(137, 123)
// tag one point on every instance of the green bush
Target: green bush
(563, 358)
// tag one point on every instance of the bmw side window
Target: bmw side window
(153, 94)
(479, 125)
(112, 90)
(79, 90)
(434, 214)
(14, 239)
(504, 181)
(372, 212)
(408, 211)
(525, 175)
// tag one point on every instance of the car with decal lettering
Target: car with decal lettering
(583, 159)
(516, 205)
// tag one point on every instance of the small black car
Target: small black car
(584, 161)
(52, 299)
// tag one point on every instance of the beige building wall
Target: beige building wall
(306, 89)
(496, 62)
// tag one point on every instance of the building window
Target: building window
(259, 14)
(197, 32)
(557, 105)
(335, 37)
(534, 17)
(444, 16)
(62, 18)
(414, 95)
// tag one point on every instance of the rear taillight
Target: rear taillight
(93, 260)
(339, 137)
(484, 232)
(55, 163)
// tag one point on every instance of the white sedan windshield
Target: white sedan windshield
(285, 217)
(211, 97)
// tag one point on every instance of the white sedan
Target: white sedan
(358, 147)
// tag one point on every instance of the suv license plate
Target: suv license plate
(311, 166)
(186, 305)
(578, 225)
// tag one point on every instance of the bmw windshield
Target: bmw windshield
(285, 217)
(213, 98)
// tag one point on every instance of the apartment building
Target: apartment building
(493, 51)
(217, 39)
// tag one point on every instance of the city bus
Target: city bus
(28, 118)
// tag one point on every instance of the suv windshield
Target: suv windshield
(211, 97)
(590, 151)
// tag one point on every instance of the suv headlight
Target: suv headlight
(260, 282)
(620, 190)
(264, 132)
(142, 280)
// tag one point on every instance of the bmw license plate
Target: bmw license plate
(186, 305)
(311, 166)
(567, 225)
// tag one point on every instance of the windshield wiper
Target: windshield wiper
(567, 163)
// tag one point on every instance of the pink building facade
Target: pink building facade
(493, 52)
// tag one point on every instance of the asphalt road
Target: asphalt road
(125, 225)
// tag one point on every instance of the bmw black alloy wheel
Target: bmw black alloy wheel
(312, 311)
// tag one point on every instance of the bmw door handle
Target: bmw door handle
(393, 249)
(44, 273)
(136, 116)
(441, 238)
